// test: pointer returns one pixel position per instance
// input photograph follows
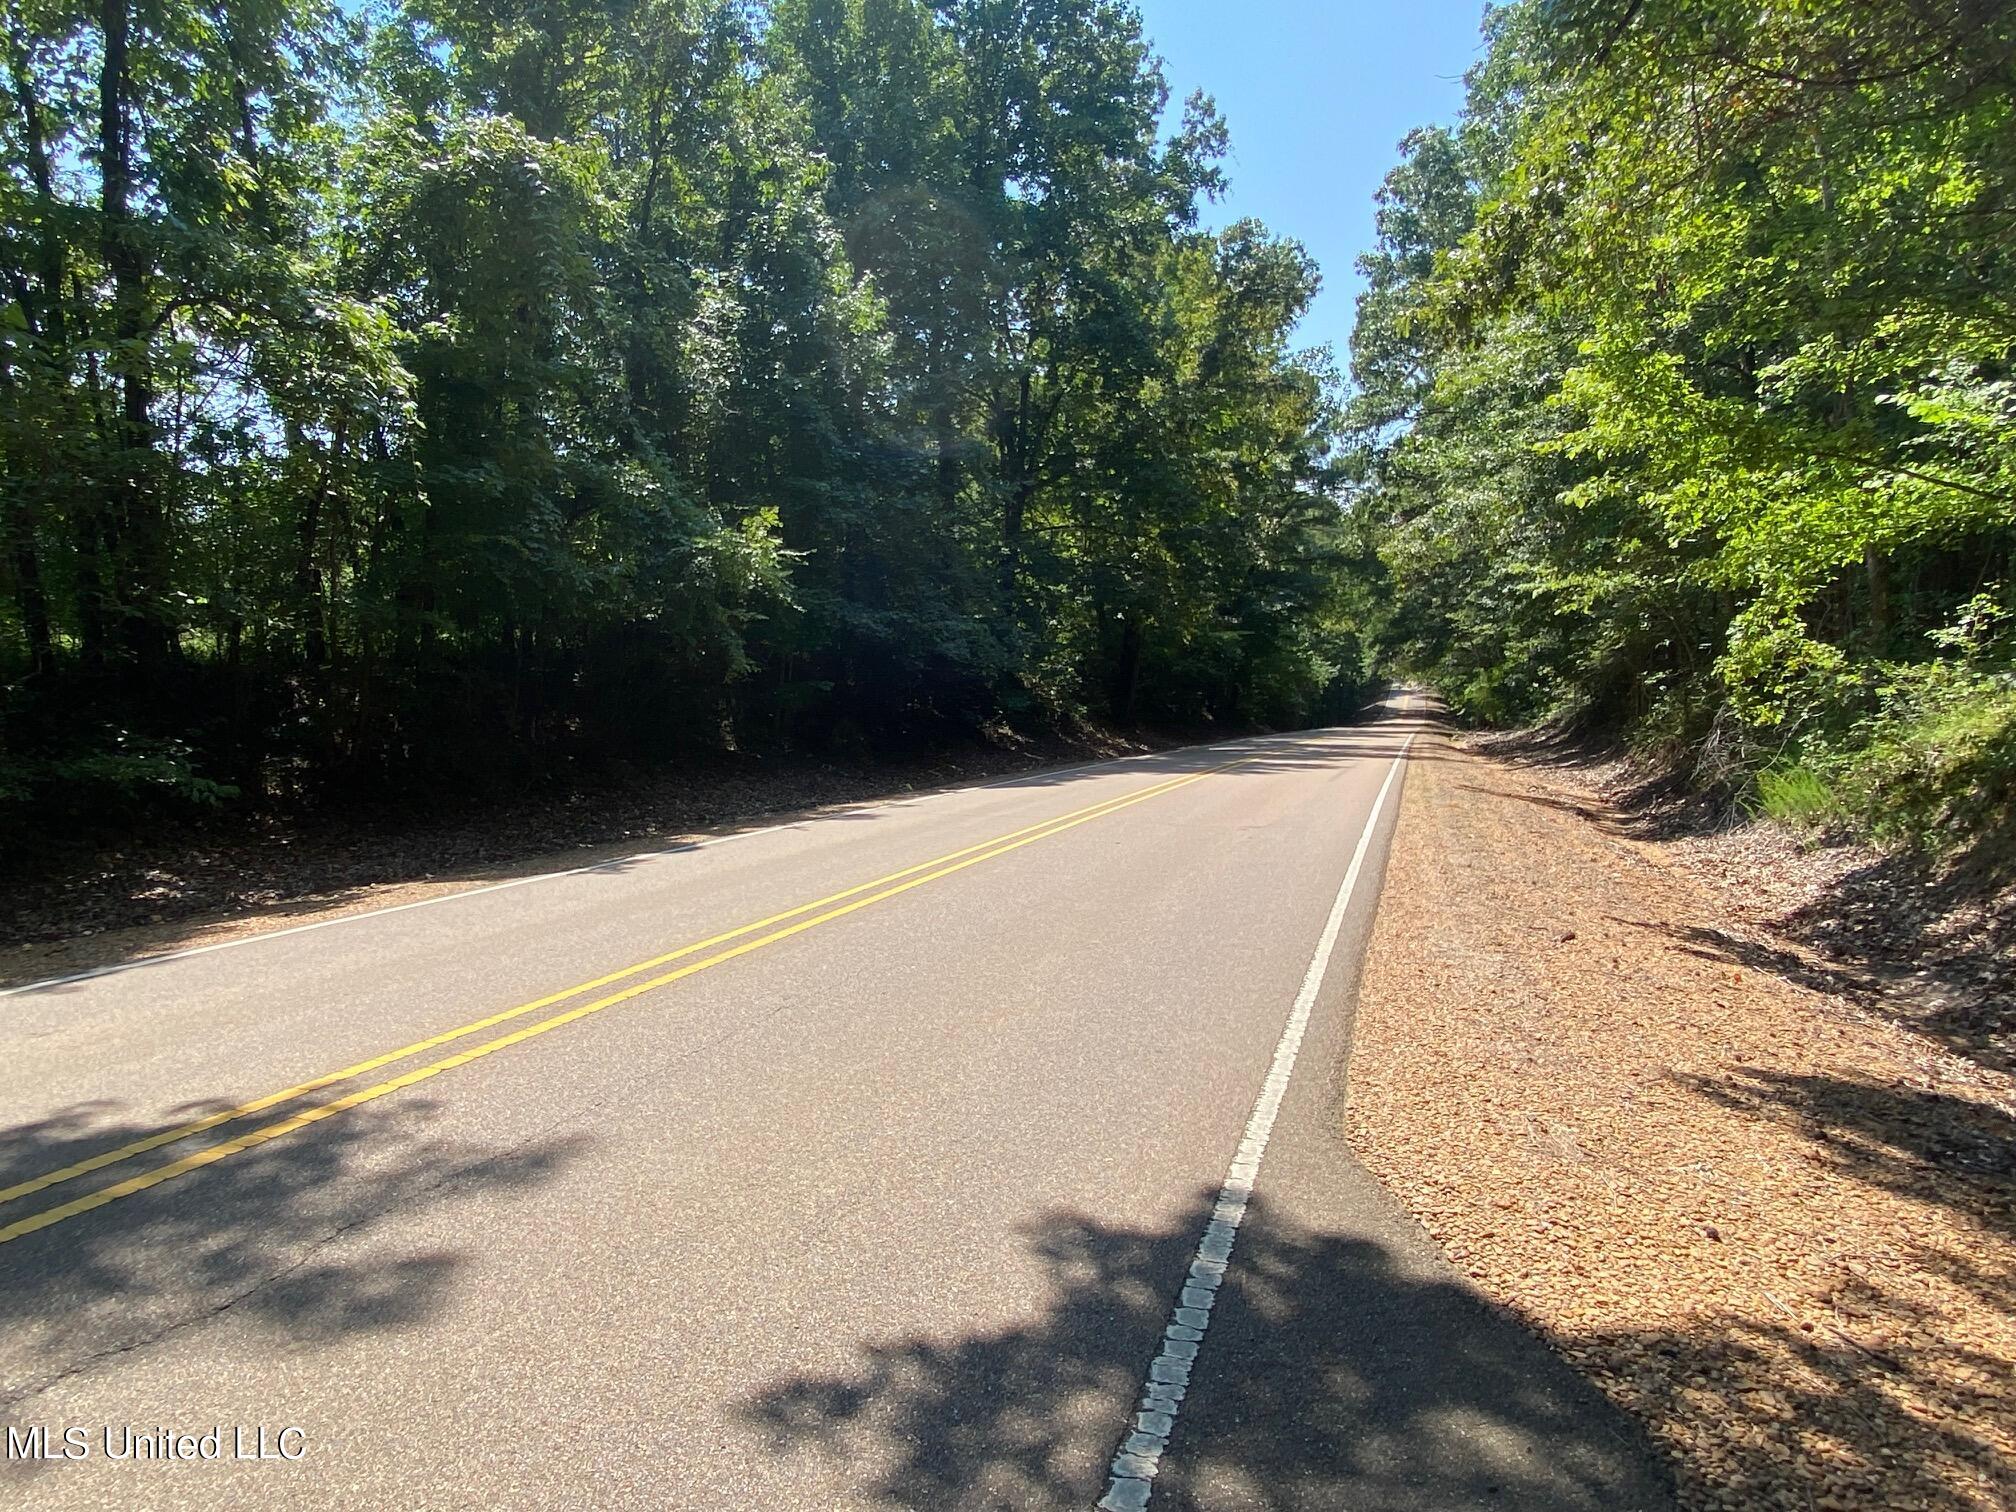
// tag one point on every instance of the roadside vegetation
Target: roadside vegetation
(1684, 407)
(433, 396)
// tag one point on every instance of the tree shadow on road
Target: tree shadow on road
(1337, 1373)
(1334, 1374)
(255, 1234)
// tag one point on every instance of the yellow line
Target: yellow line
(244, 1110)
(973, 855)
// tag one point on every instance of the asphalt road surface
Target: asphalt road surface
(859, 1161)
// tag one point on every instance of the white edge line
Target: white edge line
(1132, 1474)
(576, 871)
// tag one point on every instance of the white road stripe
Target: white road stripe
(578, 871)
(1133, 1469)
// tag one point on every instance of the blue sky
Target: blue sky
(1318, 94)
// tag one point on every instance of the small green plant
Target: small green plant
(1942, 767)
(1796, 795)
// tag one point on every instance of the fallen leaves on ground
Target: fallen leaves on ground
(1777, 1227)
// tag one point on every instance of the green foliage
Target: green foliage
(451, 392)
(1933, 760)
(1796, 795)
(105, 780)
(1684, 389)
(1944, 771)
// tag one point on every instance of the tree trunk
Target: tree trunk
(1878, 570)
(50, 320)
(1019, 472)
(49, 325)
(32, 599)
(948, 456)
(1127, 674)
(308, 562)
(141, 567)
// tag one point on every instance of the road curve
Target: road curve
(863, 1162)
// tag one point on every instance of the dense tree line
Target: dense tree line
(1685, 402)
(481, 387)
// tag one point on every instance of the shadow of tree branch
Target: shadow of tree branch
(249, 1234)
(1333, 1375)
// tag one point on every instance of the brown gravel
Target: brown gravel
(1777, 1226)
(1927, 938)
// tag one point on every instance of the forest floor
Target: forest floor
(180, 886)
(1729, 1121)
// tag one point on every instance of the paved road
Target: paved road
(883, 1194)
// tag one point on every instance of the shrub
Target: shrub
(1796, 795)
(117, 780)
(1940, 769)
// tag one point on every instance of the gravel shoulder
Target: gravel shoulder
(1771, 1219)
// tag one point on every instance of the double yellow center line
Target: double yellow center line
(767, 931)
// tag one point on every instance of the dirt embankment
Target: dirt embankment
(1767, 1215)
